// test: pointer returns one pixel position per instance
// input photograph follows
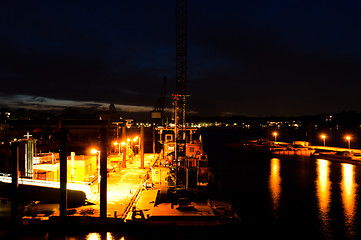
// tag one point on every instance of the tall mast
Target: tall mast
(179, 99)
(181, 67)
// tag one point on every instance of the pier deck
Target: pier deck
(122, 187)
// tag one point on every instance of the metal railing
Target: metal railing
(79, 186)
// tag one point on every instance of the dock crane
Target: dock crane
(179, 98)
(187, 163)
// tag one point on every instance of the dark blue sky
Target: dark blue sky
(255, 58)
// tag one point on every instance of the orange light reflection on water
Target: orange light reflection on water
(349, 195)
(98, 236)
(275, 184)
(323, 191)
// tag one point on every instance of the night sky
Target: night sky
(253, 58)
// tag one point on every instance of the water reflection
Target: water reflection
(349, 196)
(323, 191)
(101, 236)
(275, 184)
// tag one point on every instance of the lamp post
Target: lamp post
(324, 139)
(275, 134)
(124, 147)
(117, 144)
(94, 151)
(348, 138)
(135, 139)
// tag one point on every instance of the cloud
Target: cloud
(44, 103)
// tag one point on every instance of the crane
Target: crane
(179, 99)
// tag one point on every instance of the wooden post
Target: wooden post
(124, 133)
(153, 130)
(63, 176)
(103, 174)
(124, 148)
(142, 147)
(15, 185)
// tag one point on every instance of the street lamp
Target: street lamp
(117, 144)
(124, 151)
(348, 138)
(275, 134)
(135, 139)
(94, 151)
(323, 136)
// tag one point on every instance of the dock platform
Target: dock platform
(123, 188)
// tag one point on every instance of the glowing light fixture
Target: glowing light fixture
(94, 151)
(348, 138)
(323, 136)
(275, 134)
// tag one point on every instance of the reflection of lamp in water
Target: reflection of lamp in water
(323, 136)
(275, 183)
(99, 236)
(323, 186)
(349, 194)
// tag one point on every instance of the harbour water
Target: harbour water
(283, 197)
(294, 197)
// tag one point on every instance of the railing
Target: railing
(79, 186)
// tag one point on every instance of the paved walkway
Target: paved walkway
(336, 149)
(121, 187)
(145, 203)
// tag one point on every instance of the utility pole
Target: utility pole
(124, 148)
(103, 173)
(142, 147)
(15, 185)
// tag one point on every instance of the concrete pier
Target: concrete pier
(311, 149)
